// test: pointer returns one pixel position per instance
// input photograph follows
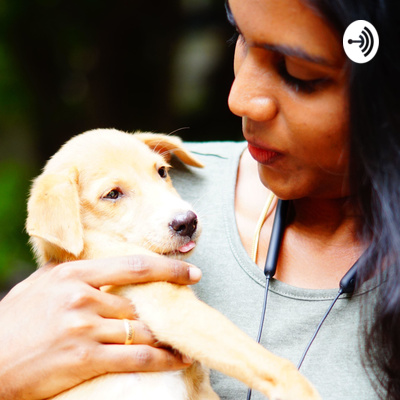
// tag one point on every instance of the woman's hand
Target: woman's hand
(58, 329)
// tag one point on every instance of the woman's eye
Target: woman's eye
(297, 84)
(113, 194)
(162, 171)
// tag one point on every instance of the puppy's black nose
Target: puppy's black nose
(185, 224)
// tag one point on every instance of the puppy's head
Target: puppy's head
(107, 188)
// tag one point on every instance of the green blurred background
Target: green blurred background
(67, 66)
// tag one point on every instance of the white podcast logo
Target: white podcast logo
(361, 41)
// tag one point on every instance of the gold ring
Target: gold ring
(130, 332)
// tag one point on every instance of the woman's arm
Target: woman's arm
(58, 329)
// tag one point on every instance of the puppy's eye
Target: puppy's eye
(113, 194)
(162, 171)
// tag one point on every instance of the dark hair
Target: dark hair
(375, 178)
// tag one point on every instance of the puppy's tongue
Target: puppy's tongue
(187, 247)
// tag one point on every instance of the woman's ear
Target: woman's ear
(165, 145)
(54, 214)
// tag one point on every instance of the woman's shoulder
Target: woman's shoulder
(218, 158)
(222, 150)
(212, 155)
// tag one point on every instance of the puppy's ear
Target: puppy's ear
(166, 145)
(54, 214)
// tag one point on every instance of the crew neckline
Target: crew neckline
(244, 260)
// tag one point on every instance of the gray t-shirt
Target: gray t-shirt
(234, 284)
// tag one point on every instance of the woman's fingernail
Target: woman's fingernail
(186, 359)
(194, 274)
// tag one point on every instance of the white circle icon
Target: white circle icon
(360, 41)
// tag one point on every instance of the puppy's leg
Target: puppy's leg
(197, 381)
(206, 392)
(180, 320)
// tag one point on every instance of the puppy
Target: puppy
(107, 193)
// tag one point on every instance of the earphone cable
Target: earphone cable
(264, 308)
(340, 292)
(271, 261)
(347, 283)
(260, 329)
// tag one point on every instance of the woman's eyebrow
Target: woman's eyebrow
(296, 52)
(282, 49)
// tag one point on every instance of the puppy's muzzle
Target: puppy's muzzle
(184, 224)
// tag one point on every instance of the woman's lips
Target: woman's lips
(263, 156)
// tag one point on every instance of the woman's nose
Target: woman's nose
(251, 94)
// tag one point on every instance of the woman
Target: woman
(322, 133)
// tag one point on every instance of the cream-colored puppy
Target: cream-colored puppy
(108, 193)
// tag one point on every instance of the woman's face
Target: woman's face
(290, 89)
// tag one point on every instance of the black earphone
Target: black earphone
(346, 285)
(275, 242)
(348, 282)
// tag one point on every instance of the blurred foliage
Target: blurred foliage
(67, 66)
(14, 252)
